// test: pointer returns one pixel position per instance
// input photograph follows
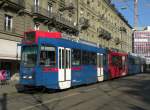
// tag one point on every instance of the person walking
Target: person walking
(3, 77)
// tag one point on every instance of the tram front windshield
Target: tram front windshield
(29, 56)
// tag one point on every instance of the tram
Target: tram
(50, 61)
(136, 64)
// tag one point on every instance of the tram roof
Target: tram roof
(45, 34)
(70, 44)
(55, 39)
(118, 53)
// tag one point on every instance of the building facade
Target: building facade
(142, 43)
(106, 26)
(94, 21)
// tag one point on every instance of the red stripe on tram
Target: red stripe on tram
(46, 69)
(76, 68)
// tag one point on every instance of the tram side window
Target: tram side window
(131, 61)
(48, 56)
(76, 57)
(105, 59)
(89, 58)
(85, 58)
(101, 60)
(117, 61)
(137, 61)
(92, 58)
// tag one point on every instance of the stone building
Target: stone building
(94, 21)
(106, 26)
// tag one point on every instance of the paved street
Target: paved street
(128, 93)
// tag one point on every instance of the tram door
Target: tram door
(100, 73)
(64, 67)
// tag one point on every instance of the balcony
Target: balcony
(70, 7)
(101, 17)
(84, 23)
(104, 34)
(65, 23)
(15, 5)
(108, 36)
(40, 13)
(55, 19)
(117, 41)
(123, 29)
(100, 32)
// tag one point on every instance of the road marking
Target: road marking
(49, 101)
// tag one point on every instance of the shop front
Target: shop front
(9, 56)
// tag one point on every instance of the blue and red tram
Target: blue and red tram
(53, 62)
(50, 61)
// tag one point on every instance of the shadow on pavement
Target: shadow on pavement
(34, 90)
(138, 87)
(136, 108)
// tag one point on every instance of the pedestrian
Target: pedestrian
(3, 76)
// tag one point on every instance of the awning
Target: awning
(9, 50)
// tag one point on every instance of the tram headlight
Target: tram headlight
(29, 77)
(24, 77)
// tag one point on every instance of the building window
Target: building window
(81, 11)
(99, 3)
(50, 7)
(8, 22)
(36, 27)
(88, 2)
(36, 2)
(62, 4)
